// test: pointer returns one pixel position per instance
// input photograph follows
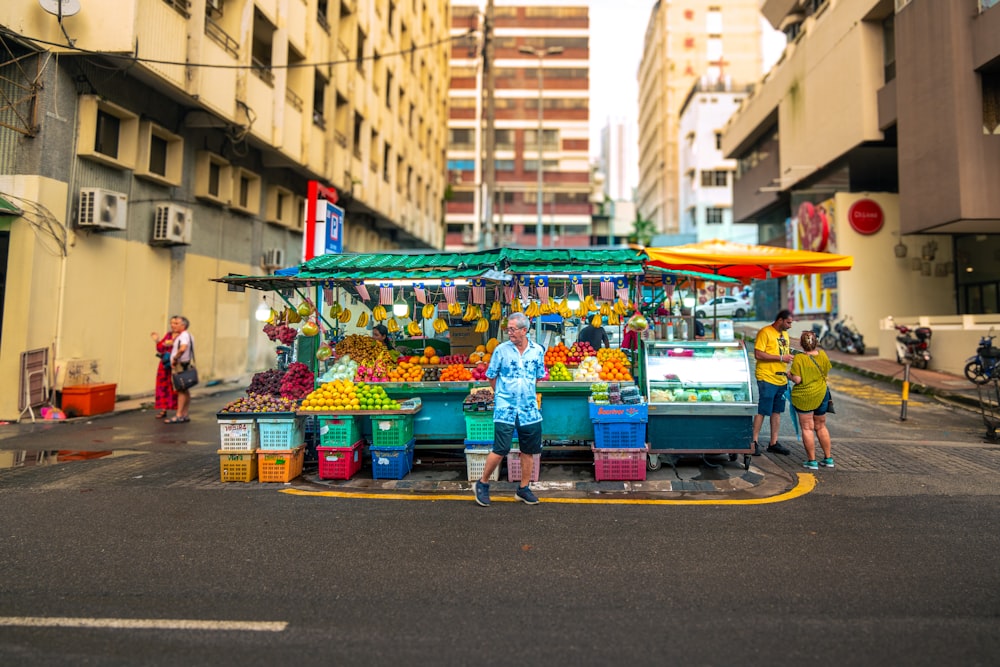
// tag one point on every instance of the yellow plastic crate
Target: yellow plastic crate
(237, 466)
(280, 465)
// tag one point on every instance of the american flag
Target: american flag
(508, 294)
(385, 294)
(418, 291)
(359, 285)
(479, 291)
(607, 288)
(448, 287)
(542, 287)
(577, 282)
(522, 282)
(621, 287)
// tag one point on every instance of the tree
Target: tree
(642, 230)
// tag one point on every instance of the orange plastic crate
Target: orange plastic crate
(280, 465)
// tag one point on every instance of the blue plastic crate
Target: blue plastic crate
(392, 462)
(280, 433)
(619, 435)
(602, 412)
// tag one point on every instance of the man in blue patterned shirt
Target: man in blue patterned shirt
(514, 367)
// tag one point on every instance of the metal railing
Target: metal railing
(220, 37)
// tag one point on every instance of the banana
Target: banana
(469, 313)
(613, 319)
(496, 311)
(605, 309)
(454, 309)
(413, 329)
(590, 303)
(483, 325)
(516, 306)
(596, 322)
(392, 326)
(335, 310)
(292, 316)
(345, 316)
(544, 309)
(362, 320)
(582, 311)
(379, 314)
(440, 326)
(428, 310)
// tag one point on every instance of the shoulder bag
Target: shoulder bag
(187, 378)
(829, 405)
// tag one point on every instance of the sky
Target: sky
(617, 31)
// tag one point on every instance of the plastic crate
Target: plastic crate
(391, 430)
(237, 435)
(280, 466)
(339, 462)
(619, 413)
(340, 431)
(280, 433)
(475, 463)
(237, 466)
(514, 466)
(479, 426)
(619, 435)
(620, 464)
(392, 462)
(311, 430)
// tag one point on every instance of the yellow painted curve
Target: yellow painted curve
(806, 483)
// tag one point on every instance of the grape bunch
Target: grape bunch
(298, 381)
(282, 333)
(266, 382)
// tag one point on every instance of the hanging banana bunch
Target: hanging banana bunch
(292, 316)
(362, 320)
(582, 311)
(590, 303)
(427, 311)
(455, 309)
(605, 309)
(413, 328)
(483, 325)
(613, 319)
(544, 309)
(379, 313)
(565, 311)
(516, 306)
(621, 308)
(345, 316)
(596, 322)
(496, 311)
(470, 313)
(392, 326)
(335, 310)
(440, 326)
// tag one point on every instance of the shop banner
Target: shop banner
(542, 287)
(478, 291)
(418, 291)
(385, 294)
(359, 285)
(576, 280)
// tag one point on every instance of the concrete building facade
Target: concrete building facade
(148, 146)
(540, 25)
(685, 40)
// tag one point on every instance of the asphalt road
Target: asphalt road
(890, 559)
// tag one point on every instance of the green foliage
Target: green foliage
(643, 230)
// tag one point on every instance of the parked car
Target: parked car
(724, 306)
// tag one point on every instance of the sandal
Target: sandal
(160, 415)
(177, 420)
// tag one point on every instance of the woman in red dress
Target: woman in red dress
(166, 395)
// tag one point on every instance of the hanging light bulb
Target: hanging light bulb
(263, 311)
(400, 307)
(573, 301)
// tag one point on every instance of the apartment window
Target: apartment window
(107, 133)
(386, 163)
(460, 138)
(503, 139)
(319, 100)
(991, 103)
(889, 47)
(547, 165)
(359, 122)
(247, 187)
(263, 39)
(391, 18)
(718, 141)
(359, 53)
(322, 7)
(713, 215)
(212, 178)
(550, 138)
(161, 155)
(280, 206)
(388, 89)
(714, 179)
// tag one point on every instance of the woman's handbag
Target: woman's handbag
(187, 378)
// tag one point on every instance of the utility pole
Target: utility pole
(489, 165)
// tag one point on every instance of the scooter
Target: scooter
(985, 366)
(848, 338)
(824, 334)
(913, 345)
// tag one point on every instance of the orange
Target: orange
(429, 351)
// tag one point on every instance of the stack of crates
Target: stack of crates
(479, 436)
(238, 444)
(392, 446)
(619, 441)
(339, 447)
(282, 447)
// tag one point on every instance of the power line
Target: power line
(4, 32)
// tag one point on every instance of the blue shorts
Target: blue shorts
(821, 410)
(529, 437)
(771, 398)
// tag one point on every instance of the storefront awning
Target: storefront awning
(746, 262)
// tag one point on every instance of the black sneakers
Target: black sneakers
(778, 448)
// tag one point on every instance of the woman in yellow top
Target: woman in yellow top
(811, 398)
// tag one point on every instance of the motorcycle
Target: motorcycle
(913, 345)
(847, 336)
(824, 334)
(983, 367)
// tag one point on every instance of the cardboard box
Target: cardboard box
(88, 399)
(465, 339)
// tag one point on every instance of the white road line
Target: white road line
(143, 624)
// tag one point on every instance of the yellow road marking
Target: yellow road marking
(806, 483)
(867, 392)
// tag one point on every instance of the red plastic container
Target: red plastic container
(84, 400)
(620, 464)
(339, 462)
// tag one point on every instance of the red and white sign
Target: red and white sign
(865, 216)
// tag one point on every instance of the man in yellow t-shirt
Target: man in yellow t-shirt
(772, 352)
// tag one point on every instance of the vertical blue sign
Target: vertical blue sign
(334, 229)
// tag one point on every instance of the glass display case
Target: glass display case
(701, 399)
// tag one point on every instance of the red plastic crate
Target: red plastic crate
(620, 464)
(339, 462)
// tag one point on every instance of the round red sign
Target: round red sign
(865, 216)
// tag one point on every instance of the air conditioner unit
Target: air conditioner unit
(274, 257)
(172, 225)
(102, 209)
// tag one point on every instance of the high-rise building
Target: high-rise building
(618, 160)
(685, 40)
(541, 50)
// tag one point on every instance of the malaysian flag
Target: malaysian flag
(448, 287)
(328, 297)
(359, 285)
(508, 293)
(576, 280)
(479, 291)
(621, 288)
(385, 294)
(522, 283)
(607, 288)
(668, 285)
(418, 291)
(542, 287)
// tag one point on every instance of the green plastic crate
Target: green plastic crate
(340, 431)
(391, 430)
(479, 426)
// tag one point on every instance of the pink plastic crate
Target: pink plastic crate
(514, 466)
(619, 464)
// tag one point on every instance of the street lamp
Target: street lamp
(540, 54)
